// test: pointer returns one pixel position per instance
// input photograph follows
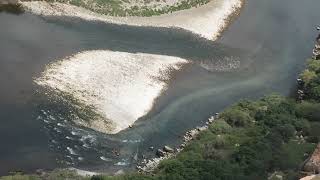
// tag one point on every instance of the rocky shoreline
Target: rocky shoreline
(301, 92)
(311, 167)
(148, 166)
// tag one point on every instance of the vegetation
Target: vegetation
(54, 175)
(311, 79)
(144, 8)
(250, 140)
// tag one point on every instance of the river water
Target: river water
(270, 40)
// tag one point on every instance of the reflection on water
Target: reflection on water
(261, 53)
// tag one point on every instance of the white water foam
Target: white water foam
(120, 86)
(122, 163)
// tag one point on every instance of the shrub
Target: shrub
(307, 76)
(287, 131)
(236, 117)
(314, 65)
(315, 93)
(308, 110)
(220, 127)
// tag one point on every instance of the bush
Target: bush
(314, 130)
(307, 76)
(315, 93)
(287, 131)
(314, 65)
(302, 125)
(308, 110)
(220, 127)
(236, 118)
(171, 166)
(292, 154)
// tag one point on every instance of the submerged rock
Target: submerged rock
(160, 153)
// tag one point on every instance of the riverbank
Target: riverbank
(302, 134)
(207, 20)
(135, 8)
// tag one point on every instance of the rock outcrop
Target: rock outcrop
(316, 49)
(313, 163)
(168, 149)
(312, 177)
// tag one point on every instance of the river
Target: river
(270, 40)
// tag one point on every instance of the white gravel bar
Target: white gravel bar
(121, 86)
(207, 21)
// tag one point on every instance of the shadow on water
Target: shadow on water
(11, 8)
(97, 35)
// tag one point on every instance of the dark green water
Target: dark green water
(271, 39)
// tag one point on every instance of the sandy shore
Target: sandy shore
(207, 20)
(120, 86)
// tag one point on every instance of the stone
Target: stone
(202, 128)
(278, 176)
(313, 163)
(311, 177)
(168, 149)
(160, 153)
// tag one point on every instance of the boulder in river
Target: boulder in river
(168, 149)
(160, 153)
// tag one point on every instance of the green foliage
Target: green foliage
(54, 175)
(236, 117)
(118, 7)
(311, 79)
(308, 110)
(314, 65)
(307, 76)
(291, 154)
(220, 127)
(314, 129)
